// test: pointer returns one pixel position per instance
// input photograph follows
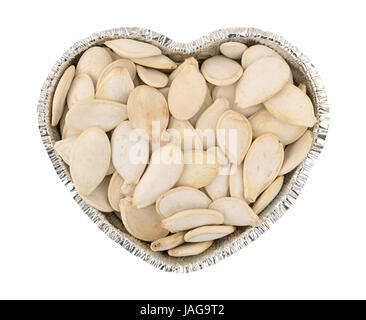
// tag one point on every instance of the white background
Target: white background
(50, 249)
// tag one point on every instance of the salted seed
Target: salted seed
(184, 106)
(191, 61)
(263, 122)
(146, 105)
(233, 50)
(236, 183)
(234, 135)
(219, 186)
(179, 199)
(96, 113)
(92, 62)
(255, 53)
(236, 212)
(206, 123)
(165, 168)
(193, 218)
(116, 86)
(200, 169)
(63, 118)
(156, 62)
(261, 81)
(81, 89)
(90, 158)
(190, 249)
(221, 71)
(130, 152)
(64, 147)
(152, 77)
(293, 106)
(114, 188)
(207, 233)
(128, 48)
(120, 63)
(99, 197)
(297, 152)
(268, 195)
(262, 165)
(59, 97)
(144, 223)
(168, 242)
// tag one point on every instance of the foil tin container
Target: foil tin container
(303, 72)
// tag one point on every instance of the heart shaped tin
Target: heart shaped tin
(208, 45)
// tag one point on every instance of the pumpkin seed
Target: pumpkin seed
(152, 77)
(293, 106)
(142, 223)
(190, 249)
(96, 113)
(219, 186)
(168, 242)
(114, 188)
(262, 165)
(90, 158)
(255, 53)
(206, 123)
(192, 61)
(59, 97)
(184, 106)
(146, 105)
(263, 122)
(200, 168)
(207, 233)
(116, 86)
(234, 135)
(64, 147)
(81, 89)
(128, 48)
(221, 71)
(92, 62)
(130, 152)
(236, 184)
(156, 62)
(262, 80)
(120, 63)
(193, 218)
(268, 195)
(179, 199)
(233, 50)
(165, 168)
(297, 152)
(99, 197)
(62, 120)
(236, 212)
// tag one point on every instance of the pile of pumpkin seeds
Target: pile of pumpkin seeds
(183, 153)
